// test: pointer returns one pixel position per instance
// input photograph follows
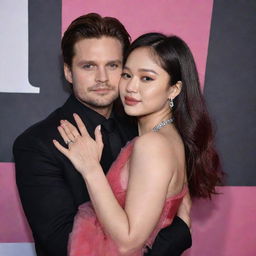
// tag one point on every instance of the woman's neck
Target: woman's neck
(148, 122)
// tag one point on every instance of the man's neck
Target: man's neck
(104, 111)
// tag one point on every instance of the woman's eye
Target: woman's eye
(146, 78)
(125, 75)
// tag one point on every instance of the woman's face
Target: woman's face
(144, 85)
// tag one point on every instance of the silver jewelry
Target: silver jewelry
(171, 104)
(162, 124)
(69, 141)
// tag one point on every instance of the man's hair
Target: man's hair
(92, 25)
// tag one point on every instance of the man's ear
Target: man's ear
(175, 90)
(68, 73)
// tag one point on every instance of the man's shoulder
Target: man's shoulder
(41, 130)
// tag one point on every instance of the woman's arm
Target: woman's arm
(148, 182)
(149, 178)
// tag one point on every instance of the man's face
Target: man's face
(95, 72)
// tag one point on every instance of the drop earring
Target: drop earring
(171, 104)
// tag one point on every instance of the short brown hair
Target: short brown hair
(92, 25)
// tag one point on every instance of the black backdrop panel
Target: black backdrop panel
(230, 87)
(20, 110)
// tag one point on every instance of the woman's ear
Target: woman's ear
(175, 90)
(68, 73)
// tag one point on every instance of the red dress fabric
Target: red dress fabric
(88, 238)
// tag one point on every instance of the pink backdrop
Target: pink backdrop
(184, 18)
(224, 226)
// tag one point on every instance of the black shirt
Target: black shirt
(50, 188)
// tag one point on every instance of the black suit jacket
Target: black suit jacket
(51, 189)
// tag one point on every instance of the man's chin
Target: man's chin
(98, 103)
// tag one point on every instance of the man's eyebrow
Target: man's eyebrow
(115, 61)
(82, 62)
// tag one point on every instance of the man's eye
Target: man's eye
(88, 66)
(146, 78)
(125, 75)
(113, 65)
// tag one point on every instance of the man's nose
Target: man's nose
(101, 75)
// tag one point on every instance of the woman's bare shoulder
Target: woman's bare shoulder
(152, 146)
(152, 141)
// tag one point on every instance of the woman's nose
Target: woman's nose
(132, 85)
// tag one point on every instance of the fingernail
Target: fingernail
(99, 127)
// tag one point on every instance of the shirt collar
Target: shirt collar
(87, 114)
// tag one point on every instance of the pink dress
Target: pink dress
(88, 237)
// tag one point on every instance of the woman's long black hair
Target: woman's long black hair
(189, 111)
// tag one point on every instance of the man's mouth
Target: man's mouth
(101, 89)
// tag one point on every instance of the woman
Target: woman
(173, 153)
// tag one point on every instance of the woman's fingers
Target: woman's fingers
(70, 129)
(62, 149)
(98, 139)
(63, 134)
(82, 149)
(80, 125)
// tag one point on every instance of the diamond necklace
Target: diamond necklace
(162, 124)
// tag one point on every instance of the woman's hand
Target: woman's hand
(83, 151)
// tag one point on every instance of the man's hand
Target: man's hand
(184, 210)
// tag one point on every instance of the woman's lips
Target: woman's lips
(131, 101)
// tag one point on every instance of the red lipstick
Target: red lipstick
(131, 101)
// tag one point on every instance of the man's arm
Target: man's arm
(176, 238)
(46, 199)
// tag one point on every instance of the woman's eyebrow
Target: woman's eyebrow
(148, 70)
(143, 70)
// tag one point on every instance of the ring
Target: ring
(69, 141)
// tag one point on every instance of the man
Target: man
(50, 188)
